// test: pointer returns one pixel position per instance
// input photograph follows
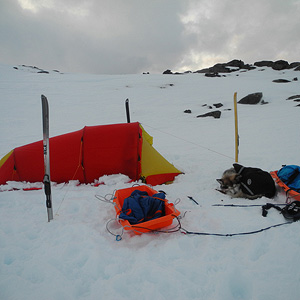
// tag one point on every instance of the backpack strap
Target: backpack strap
(238, 168)
(293, 177)
(267, 206)
(247, 188)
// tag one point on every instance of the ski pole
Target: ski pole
(127, 110)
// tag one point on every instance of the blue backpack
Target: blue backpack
(290, 176)
(140, 207)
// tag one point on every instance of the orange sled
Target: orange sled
(290, 194)
(148, 226)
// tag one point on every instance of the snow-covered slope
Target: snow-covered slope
(74, 256)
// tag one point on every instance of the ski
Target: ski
(47, 180)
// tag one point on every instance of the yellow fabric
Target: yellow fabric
(4, 158)
(152, 161)
(147, 136)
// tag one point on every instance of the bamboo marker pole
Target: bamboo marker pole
(236, 129)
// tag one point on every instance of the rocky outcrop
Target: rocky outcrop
(264, 63)
(281, 80)
(252, 99)
(216, 114)
(238, 65)
(168, 72)
(295, 98)
(34, 69)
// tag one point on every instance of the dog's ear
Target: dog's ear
(222, 184)
(220, 181)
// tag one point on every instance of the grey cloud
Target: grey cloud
(247, 30)
(112, 37)
(133, 36)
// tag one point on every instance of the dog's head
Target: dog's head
(229, 179)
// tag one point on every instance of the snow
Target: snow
(75, 257)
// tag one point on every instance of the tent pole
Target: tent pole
(236, 128)
(127, 110)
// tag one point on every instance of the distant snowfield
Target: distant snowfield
(75, 257)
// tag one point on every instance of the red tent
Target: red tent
(90, 153)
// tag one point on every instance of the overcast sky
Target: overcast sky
(135, 36)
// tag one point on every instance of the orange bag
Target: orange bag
(289, 192)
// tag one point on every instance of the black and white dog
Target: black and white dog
(246, 182)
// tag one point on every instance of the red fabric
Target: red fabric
(83, 155)
(111, 149)
(65, 151)
(161, 178)
(7, 172)
(29, 162)
(66, 157)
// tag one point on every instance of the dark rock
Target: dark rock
(206, 70)
(43, 72)
(236, 63)
(293, 97)
(264, 63)
(167, 72)
(166, 85)
(239, 64)
(280, 65)
(216, 114)
(295, 79)
(214, 74)
(188, 111)
(277, 65)
(226, 68)
(281, 80)
(294, 65)
(217, 105)
(220, 68)
(254, 98)
(249, 67)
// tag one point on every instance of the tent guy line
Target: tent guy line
(185, 140)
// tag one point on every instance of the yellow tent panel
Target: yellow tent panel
(153, 164)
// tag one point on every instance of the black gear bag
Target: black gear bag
(291, 211)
